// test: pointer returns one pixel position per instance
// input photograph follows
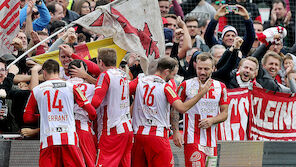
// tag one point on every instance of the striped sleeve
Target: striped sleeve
(170, 94)
(101, 89)
(224, 96)
(182, 91)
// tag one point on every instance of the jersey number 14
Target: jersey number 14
(54, 103)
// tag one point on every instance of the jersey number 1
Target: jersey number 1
(59, 106)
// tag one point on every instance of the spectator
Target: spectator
(82, 7)
(164, 6)
(280, 17)
(171, 21)
(42, 21)
(237, 21)
(193, 28)
(229, 32)
(258, 27)
(218, 3)
(217, 51)
(56, 11)
(7, 121)
(69, 15)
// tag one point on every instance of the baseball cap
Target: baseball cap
(226, 29)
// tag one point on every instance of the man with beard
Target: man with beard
(151, 114)
(200, 140)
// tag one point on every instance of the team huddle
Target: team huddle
(118, 122)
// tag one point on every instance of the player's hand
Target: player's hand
(28, 132)
(206, 123)
(66, 49)
(178, 139)
(242, 12)
(78, 72)
(206, 87)
(221, 12)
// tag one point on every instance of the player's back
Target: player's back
(55, 100)
(115, 108)
(88, 91)
(151, 108)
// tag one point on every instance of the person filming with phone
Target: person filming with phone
(229, 32)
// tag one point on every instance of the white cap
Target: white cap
(228, 28)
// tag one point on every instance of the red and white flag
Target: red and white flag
(9, 24)
(134, 25)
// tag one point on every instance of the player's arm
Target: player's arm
(222, 116)
(82, 101)
(101, 89)
(175, 117)
(183, 107)
(133, 86)
(30, 109)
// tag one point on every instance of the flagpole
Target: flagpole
(35, 46)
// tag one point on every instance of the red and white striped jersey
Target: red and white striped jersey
(63, 74)
(111, 99)
(81, 116)
(55, 101)
(208, 106)
(151, 106)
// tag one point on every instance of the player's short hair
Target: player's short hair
(51, 66)
(252, 59)
(166, 63)
(271, 54)
(108, 56)
(77, 63)
(204, 56)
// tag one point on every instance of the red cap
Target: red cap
(164, 21)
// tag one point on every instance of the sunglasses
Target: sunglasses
(219, 2)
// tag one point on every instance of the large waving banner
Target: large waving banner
(235, 127)
(134, 25)
(273, 116)
(9, 24)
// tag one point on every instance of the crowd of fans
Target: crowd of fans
(248, 51)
